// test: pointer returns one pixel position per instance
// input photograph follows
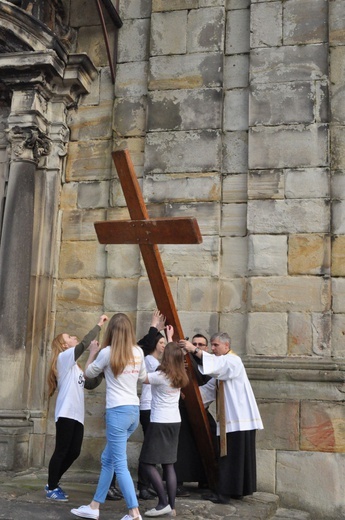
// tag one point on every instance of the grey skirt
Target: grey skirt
(160, 443)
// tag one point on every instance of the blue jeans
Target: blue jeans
(121, 422)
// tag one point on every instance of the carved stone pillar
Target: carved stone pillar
(41, 85)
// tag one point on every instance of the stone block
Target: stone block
(288, 216)
(338, 211)
(337, 78)
(338, 295)
(185, 109)
(234, 258)
(135, 146)
(337, 148)
(121, 293)
(186, 71)
(322, 426)
(289, 294)
(82, 259)
(134, 9)
(133, 43)
(89, 161)
(338, 335)
(267, 334)
(131, 79)
(237, 32)
(123, 260)
(205, 31)
(300, 338)
(236, 71)
(175, 152)
(281, 422)
(79, 225)
(305, 22)
(179, 187)
(80, 294)
(293, 146)
(168, 33)
(233, 295)
(75, 322)
(266, 184)
(91, 42)
(237, 4)
(290, 63)
(198, 294)
(265, 466)
(173, 5)
(309, 254)
(234, 220)
(236, 110)
(307, 183)
(235, 152)
(146, 301)
(199, 322)
(116, 193)
(266, 22)
(130, 116)
(207, 214)
(83, 13)
(69, 195)
(336, 22)
(282, 103)
(299, 470)
(322, 333)
(89, 123)
(235, 188)
(177, 259)
(338, 186)
(93, 194)
(211, 3)
(338, 256)
(235, 324)
(267, 255)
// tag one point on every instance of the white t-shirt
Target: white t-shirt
(70, 386)
(120, 390)
(165, 398)
(151, 364)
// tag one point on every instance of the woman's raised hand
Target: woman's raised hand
(158, 320)
(102, 320)
(169, 329)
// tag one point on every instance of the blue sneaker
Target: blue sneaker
(56, 494)
(46, 488)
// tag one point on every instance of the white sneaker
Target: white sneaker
(158, 512)
(86, 512)
(129, 517)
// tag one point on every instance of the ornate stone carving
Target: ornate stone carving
(29, 139)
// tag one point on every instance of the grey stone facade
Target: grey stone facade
(233, 112)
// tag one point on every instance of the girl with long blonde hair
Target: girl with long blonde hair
(67, 378)
(122, 362)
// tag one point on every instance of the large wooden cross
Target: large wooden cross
(147, 233)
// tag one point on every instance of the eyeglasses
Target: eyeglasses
(199, 344)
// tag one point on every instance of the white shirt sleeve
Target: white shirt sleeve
(208, 392)
(223, 367)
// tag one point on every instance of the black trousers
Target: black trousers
(68, 441)
(143, 481)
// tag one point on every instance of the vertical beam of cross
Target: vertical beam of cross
(143, 234)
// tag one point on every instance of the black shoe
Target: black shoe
(144, 494)
(114, 494)
(182, 492)
(215, 498)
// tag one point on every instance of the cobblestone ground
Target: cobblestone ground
(22, 497)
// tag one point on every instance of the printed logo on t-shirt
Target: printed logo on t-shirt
(81, 379)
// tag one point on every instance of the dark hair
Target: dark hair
(147, 345)
(172, 365)
(200, 336)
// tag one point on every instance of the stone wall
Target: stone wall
(233, 113)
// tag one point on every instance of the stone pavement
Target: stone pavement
(22, 497)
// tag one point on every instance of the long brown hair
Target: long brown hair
(120, 336)
(57, 347)
(172, 365)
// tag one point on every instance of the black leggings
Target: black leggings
(68, 441)
(169, 475)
